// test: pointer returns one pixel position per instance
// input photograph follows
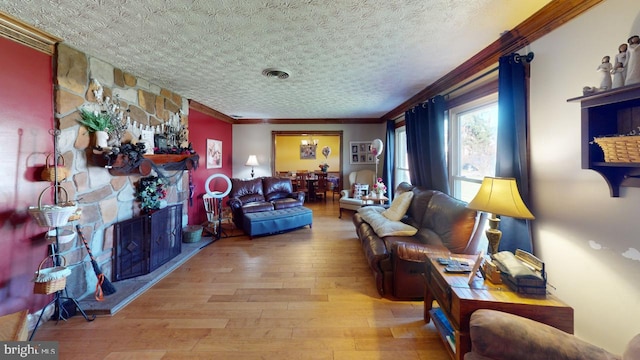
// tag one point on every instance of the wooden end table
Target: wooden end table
(458, 300)
(381, 198)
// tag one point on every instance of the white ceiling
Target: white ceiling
(347, 58)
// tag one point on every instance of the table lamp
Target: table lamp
(252, 161)
(499, 196)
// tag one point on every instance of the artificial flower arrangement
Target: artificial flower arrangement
(379, 187)
(324, 167)
(151, 192)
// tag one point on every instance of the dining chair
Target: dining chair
(321, 186)
(301, 183)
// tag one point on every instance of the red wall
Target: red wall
(26, 116)
(201, 128)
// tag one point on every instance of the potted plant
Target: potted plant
(97, 122)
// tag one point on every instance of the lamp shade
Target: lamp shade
(500, 196)
(252, 161)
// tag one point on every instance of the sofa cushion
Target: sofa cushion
(383, 226)
(285, 203)
(399, 206)
(256, 206)
(451, 220)
(276, 188)
(247, 190)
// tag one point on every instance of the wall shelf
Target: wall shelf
(610, 112)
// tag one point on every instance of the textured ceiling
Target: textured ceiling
(346, 58)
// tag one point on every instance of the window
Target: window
(473, 140)
(401, 160)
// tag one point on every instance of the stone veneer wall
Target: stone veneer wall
(104, 199)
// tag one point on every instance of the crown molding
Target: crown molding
(23, 33)
(209, 111)
(555, 14)
(309, 121)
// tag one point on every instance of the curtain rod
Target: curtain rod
(516, 57)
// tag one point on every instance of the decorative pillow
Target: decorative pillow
(399, 206)
(383, 226)
(354, 188)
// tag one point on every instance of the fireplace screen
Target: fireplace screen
(147, 242)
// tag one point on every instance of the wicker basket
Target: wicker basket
(624, 149)
(52, 215)
(53, 172)
(52, 279)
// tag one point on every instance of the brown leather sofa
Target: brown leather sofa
(445, 225)
(261, 194)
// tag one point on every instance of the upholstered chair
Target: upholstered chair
(351, 201)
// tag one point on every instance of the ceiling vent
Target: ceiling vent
(280, 74)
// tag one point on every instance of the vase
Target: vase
(102, 139)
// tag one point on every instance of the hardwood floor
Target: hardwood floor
(305, 294)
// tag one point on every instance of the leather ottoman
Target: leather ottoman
(275, 221)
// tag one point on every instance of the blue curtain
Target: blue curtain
(388, 175)
(425, 145)
(512, 158)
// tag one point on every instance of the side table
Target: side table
(457, 300)
(381, 198)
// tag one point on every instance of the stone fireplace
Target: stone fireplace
(105, 199)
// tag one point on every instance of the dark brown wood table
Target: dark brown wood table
(458, 300)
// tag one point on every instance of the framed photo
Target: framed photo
(308, 152)
(214, 154)
(361, 153)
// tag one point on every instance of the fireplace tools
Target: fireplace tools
(104, 286)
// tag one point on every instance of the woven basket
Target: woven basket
(620, 148)
(51, 172)
(52, 215)
(56, 278)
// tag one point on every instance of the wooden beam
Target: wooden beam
(552, 16)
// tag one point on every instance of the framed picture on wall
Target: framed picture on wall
(308, 151)
(361, 153)
(214, 154)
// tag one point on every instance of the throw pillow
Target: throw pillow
(353, 189)
(399, 206)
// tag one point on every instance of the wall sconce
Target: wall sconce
(252, 161)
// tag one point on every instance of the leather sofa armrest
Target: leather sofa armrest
(299, 195)
(235, 203)
(344, 193)
(415, 252)
(499, 335)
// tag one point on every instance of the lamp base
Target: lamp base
(493, 235)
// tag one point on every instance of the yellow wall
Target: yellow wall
(287, 153)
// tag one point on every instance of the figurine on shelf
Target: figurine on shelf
(618, 75)
(633, 61)
(604, 71)
(621, 57)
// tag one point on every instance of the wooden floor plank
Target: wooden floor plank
(304, 294)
